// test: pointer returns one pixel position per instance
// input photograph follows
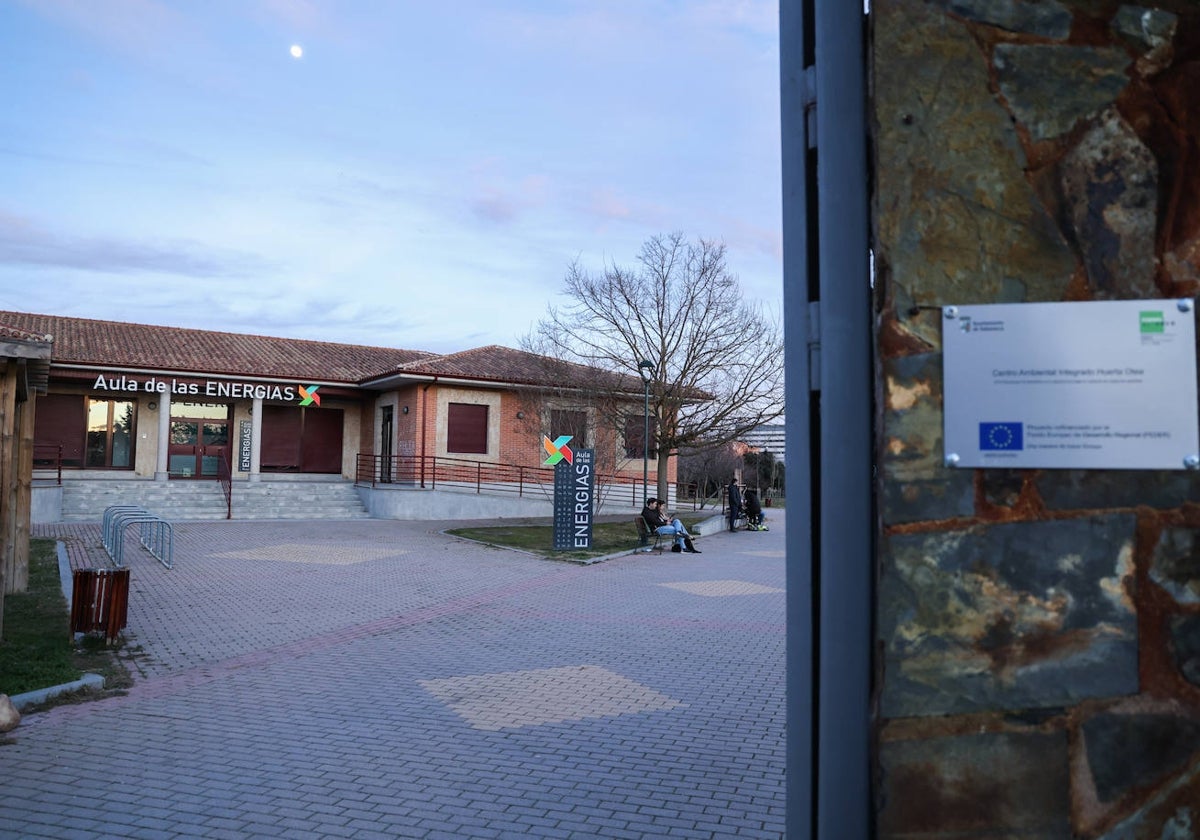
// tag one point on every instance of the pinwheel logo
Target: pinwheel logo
(309, 395)
(557, 450)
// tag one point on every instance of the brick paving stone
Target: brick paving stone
(281, 670)
(220, 833)
(139, 833)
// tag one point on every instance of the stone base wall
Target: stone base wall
(1038, 669)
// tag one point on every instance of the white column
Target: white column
(256, 439)
(164, 435)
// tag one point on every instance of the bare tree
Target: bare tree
(709, 469)
(716, 361)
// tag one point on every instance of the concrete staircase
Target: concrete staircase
(85, 501)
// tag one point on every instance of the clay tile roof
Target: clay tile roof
(9, 331)
(504, 364)
(123, 345)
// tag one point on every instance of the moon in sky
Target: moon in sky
(296, 51)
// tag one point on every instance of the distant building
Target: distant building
(767, 438)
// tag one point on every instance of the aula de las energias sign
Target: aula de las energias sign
(207, 388)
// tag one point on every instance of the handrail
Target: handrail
(225, 478)
(437, 472)
(51, 452)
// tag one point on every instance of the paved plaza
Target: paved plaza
(380, 679)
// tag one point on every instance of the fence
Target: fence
(464, 476)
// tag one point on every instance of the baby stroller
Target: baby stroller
(753, 512)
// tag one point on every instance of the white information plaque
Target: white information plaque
(1098, 385)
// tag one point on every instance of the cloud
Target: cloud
(609, 205)
(760, 17)
(145, 28)
(494, 206)
(763, 241)
(22, 243)
(299, 15)
(501, 199)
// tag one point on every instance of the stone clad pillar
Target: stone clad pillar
(1038, 670)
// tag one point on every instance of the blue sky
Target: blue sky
(421, 177)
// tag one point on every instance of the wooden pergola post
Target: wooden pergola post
(24, 372)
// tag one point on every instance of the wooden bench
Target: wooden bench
(645, 533)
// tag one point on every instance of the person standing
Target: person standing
(735, 503)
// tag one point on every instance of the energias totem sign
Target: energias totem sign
(574, 492)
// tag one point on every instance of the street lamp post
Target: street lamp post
(645, 371)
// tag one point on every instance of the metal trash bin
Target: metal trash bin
(100, 601)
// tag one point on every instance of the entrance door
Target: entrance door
(199, 440)
(385, 446)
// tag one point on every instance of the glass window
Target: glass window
(109, 434)
(635, 432)
(200, 411)
(573, 423)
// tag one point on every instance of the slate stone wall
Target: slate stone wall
(1038, 668)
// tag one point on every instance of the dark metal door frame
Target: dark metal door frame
(828, 357)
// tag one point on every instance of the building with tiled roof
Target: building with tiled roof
(158, 403)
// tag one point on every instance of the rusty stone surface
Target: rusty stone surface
(1012, 616)
(1128, 751)
(1030, 150)
(1150, 32)
(1050, 88)
(1092, 489)
(1185, 645)
(917, 485)
(1002, 488)
(916, 500)
(1172, 814)
(1110, 186)
(912, 403)
(992, 785)
(958, 222)
(1046, 18)
(1167, 116)
(1144, 28)
(1175, 565)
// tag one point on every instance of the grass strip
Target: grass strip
(37, 649)
(607, 538)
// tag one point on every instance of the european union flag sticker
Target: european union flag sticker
(1001, 436)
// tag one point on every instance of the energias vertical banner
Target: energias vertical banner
(244, 444)
(574, 497)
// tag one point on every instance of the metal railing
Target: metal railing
(154, 533)
(46, 457)
(454, 474)
(225, 477)
(458, 474)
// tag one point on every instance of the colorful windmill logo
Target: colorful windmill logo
(309, 395)
(557, 450)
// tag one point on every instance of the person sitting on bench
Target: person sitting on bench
(657, 519)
